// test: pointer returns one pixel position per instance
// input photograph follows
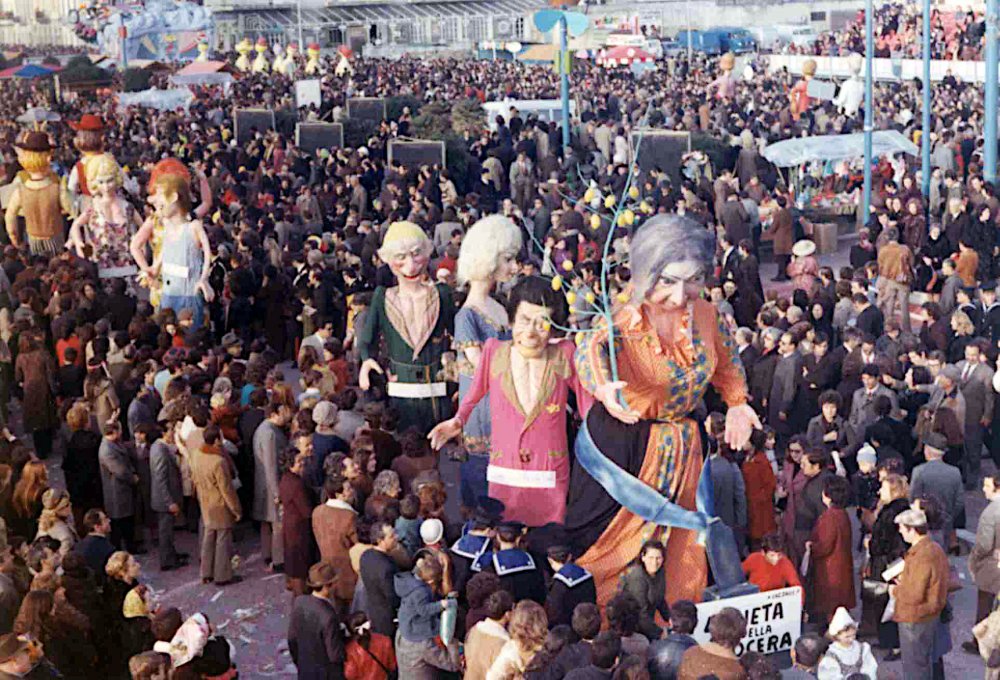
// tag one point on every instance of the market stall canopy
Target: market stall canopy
(623, 55)
(539, 54)
(161, 100)
(37, 115)
(204, 73)
(792, 152)
(28, 71)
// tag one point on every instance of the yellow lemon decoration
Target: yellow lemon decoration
(629, 217)
(645, 207)
(633, 192)
(588, 195)
(557, 283)
(579, 337)
(570, 297)
(622, 297)
(547, 325)
(567, 265)
(589, 297)
(595, 221)
(609, 202)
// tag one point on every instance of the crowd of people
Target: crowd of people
(301, 394)
(956, 34)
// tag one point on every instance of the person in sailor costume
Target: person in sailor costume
(519, 575)
(473, 550)
(571, 585)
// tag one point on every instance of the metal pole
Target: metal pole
(869, 52)
(925, 135)
(990, 121)
(298, 11)
(687, 12)
(564, 70)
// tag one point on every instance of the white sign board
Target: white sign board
(308, 93)
(821, 89)
(774, 619)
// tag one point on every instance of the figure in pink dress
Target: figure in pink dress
(527, 381)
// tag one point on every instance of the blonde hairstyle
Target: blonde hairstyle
(55, 506)
(175, 184)
(528, 625)
(117, 565)
(33, 483)
(963, 324)
(483, 244)
(34, 161)
(102, 166)
(78, 417)
(898, 486)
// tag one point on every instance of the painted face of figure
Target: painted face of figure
(679, 284)
(409, 264)
(162, 200)
(104, 186)
(532, 329)
(507, 266)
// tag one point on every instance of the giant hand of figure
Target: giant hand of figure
(607, 394)
(366, 367)
(445, 432)
(205, 289)
(741, 421)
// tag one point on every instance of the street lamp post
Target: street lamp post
(925, 135)
(298, 12)
(869, 51)
(990, 120)
(564, 77)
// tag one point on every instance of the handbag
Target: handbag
(954, 581)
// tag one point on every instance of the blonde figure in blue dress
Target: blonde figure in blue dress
(488, 257)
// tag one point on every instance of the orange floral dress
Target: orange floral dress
(666, 381)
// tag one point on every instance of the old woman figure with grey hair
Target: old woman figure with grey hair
(638, 473)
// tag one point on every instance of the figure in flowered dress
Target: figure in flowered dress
(107, 223)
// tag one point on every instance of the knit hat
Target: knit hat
(431, 531)
(325, 413)
(866, 454)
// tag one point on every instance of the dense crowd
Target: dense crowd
(874, 383)
(956, 34)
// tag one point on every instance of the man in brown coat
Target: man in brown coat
(782, 234)
(220, 509)
(334, 525)
(921, 594)
(895, 274)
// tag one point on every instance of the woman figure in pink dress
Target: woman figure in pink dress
(527, 380)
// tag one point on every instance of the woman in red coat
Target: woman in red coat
(758, 477)
(370, 656)
(830, 550)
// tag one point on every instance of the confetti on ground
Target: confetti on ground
(216, 596)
